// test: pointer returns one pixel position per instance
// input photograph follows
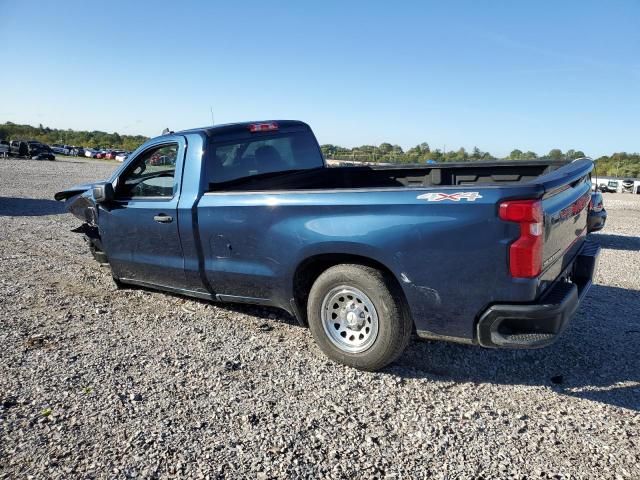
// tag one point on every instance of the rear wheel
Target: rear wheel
(356, 317)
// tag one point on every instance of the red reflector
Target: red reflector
(525, 254)
(263, 127)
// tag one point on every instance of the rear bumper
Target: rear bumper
(539, 324)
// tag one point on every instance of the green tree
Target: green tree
(385, 148)
(555, 154)
(515, 154)
(573, 154)
(328, 150)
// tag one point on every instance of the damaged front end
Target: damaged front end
(79, 201)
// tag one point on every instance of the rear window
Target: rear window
(262, 154)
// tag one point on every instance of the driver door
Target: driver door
(139, 229)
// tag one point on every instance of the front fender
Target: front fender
(83, 207)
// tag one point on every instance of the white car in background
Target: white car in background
(121, 157)
(90, 153)
(61, 149)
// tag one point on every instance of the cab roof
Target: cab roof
(227, 128)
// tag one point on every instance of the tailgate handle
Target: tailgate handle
(162, 218)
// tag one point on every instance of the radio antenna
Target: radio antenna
(211, 108)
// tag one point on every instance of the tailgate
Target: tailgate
(565, 206)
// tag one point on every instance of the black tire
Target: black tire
(394, 324)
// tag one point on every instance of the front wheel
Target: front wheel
(356, 317)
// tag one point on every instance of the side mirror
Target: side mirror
(103, 192)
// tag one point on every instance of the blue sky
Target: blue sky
(497, 74)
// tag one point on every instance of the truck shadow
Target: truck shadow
(596, 358)
(616, 242)
(29, 207)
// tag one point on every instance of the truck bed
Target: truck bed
(418, 176)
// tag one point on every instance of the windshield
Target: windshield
(263, 154)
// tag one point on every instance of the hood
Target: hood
(75, 190)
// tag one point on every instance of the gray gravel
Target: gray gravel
(101, 383)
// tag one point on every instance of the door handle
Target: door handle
(162, 218)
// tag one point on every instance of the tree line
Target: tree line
(86, 139)
(617, 164)
(422, 153)
(620, 164)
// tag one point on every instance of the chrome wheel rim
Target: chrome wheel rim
(349, 319)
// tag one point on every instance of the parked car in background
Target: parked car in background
(90, 153)
(18, 148)
(111, 154)
(627, 185)
(40, 151)
(61, 149)
(34, 147)
(158, 159)
(610, 187)
(4, 148)
(77, 151)
(101, 154)
(597, 214)
(122, 156)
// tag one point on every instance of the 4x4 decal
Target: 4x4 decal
(454, 197)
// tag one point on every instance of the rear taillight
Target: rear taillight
(525, 254)
(263, 127)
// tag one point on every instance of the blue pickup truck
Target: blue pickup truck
(492, 254)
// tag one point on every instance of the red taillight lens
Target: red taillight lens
(525, 254)
(521, 211)
(263, 127)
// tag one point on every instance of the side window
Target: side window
(150, 175)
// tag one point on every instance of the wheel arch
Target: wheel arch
(309, 269)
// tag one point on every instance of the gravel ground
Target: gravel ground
(101, 383)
